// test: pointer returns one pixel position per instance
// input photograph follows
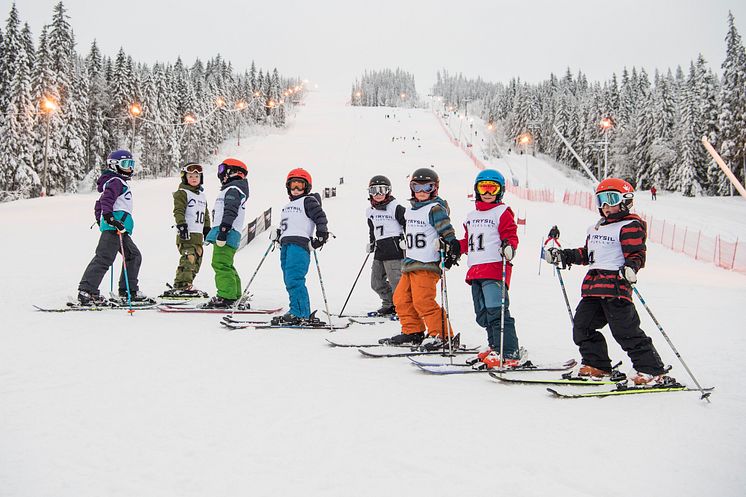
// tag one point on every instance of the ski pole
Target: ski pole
(126, 277)
(353, 285)
(111, 279)
(323, 292)
(564, 294)
(502, 310)
(246, 289)
(444, 324)
(705, 395)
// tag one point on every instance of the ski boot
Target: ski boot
(384, 311)
(436, 342)
(479, 357)
(493, 361)
(218, 303)
(188, 292)
(414, 339)
(88, 299)
(652, 380)
(286, 320)
(136, 297)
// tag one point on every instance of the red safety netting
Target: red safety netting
(725, 254)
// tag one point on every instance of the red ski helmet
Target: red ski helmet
(299, 174)
(615, 191)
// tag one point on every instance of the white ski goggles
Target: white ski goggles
(379, 190)
(611, 198)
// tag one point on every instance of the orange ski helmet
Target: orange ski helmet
(299, 174)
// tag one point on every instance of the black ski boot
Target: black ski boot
(436, 342)
(88, 299)
(384, 311)
(136, 297)
(218, 303)
(286, 320)
(404, 339)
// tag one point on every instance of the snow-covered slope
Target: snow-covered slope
(154, 404)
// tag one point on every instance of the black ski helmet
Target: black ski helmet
(425, 175)
(379, 179)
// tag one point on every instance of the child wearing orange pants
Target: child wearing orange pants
(422, 319)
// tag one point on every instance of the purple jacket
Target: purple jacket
(105, 202)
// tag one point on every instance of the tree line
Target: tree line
(61, 113)
(656, 124)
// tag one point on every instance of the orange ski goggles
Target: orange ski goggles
(488, 187)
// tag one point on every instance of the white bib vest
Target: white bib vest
(123, 201)
(195, 211)
(294, 221)
(384, 222)
(217, 212)
(422, 237)
(604, 246)
(484, 240)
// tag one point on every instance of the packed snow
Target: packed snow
(109, 404)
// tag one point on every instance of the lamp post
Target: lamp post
(525, 140)
(48, 106)
(135, 110)
(606, 124)
(240, 105)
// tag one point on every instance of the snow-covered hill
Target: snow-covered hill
(163, 405)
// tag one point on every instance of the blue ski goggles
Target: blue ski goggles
(609, 198)
(422, 187)
(124, 164)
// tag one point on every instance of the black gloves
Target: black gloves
(223, 234)
(320, 240)
(183, 231)
(112, 221)
(453, 253)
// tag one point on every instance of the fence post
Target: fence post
(663, 231)
(696, 251)
(683, 244)
(673, 238)
(733, 262)
(716, 255)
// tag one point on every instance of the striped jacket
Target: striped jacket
(440, 220)
(609, 284)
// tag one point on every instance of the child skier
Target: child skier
(427, 223)
(615, 251)
(228, 219)
(299, 217)
(193, 224)
(113, 211)
(385, 223)
(490, 240)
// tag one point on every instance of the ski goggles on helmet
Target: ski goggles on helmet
(192, 168)
(609, 198)
(379, 190)
(422, 187)
(488, 187)
(297, 184)
(126, 164)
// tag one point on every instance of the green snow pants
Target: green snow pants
(227, 280)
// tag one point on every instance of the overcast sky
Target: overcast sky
(332, 42)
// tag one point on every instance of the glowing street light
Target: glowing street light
(135, 109)
(607, 123)
(190, 119)
(240, 105)
(48, 106)
(220, 102)
(525, 140)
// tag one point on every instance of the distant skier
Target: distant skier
(427, 226)
(653, 193)
(299, 218)
(490, 240)
(113, 212)
(385, 226)
(615, 250)
(228, 220)
(192, 218)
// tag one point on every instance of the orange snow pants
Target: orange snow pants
(415, 304)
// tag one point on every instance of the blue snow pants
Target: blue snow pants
(294, 261)
(486, 295)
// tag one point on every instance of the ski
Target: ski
(445, 369)
(365, 345)
(82, 308)
(371, 321)
(195, 309)
(577, 381)
(322, 327)
(631, 390)
(391, 352)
